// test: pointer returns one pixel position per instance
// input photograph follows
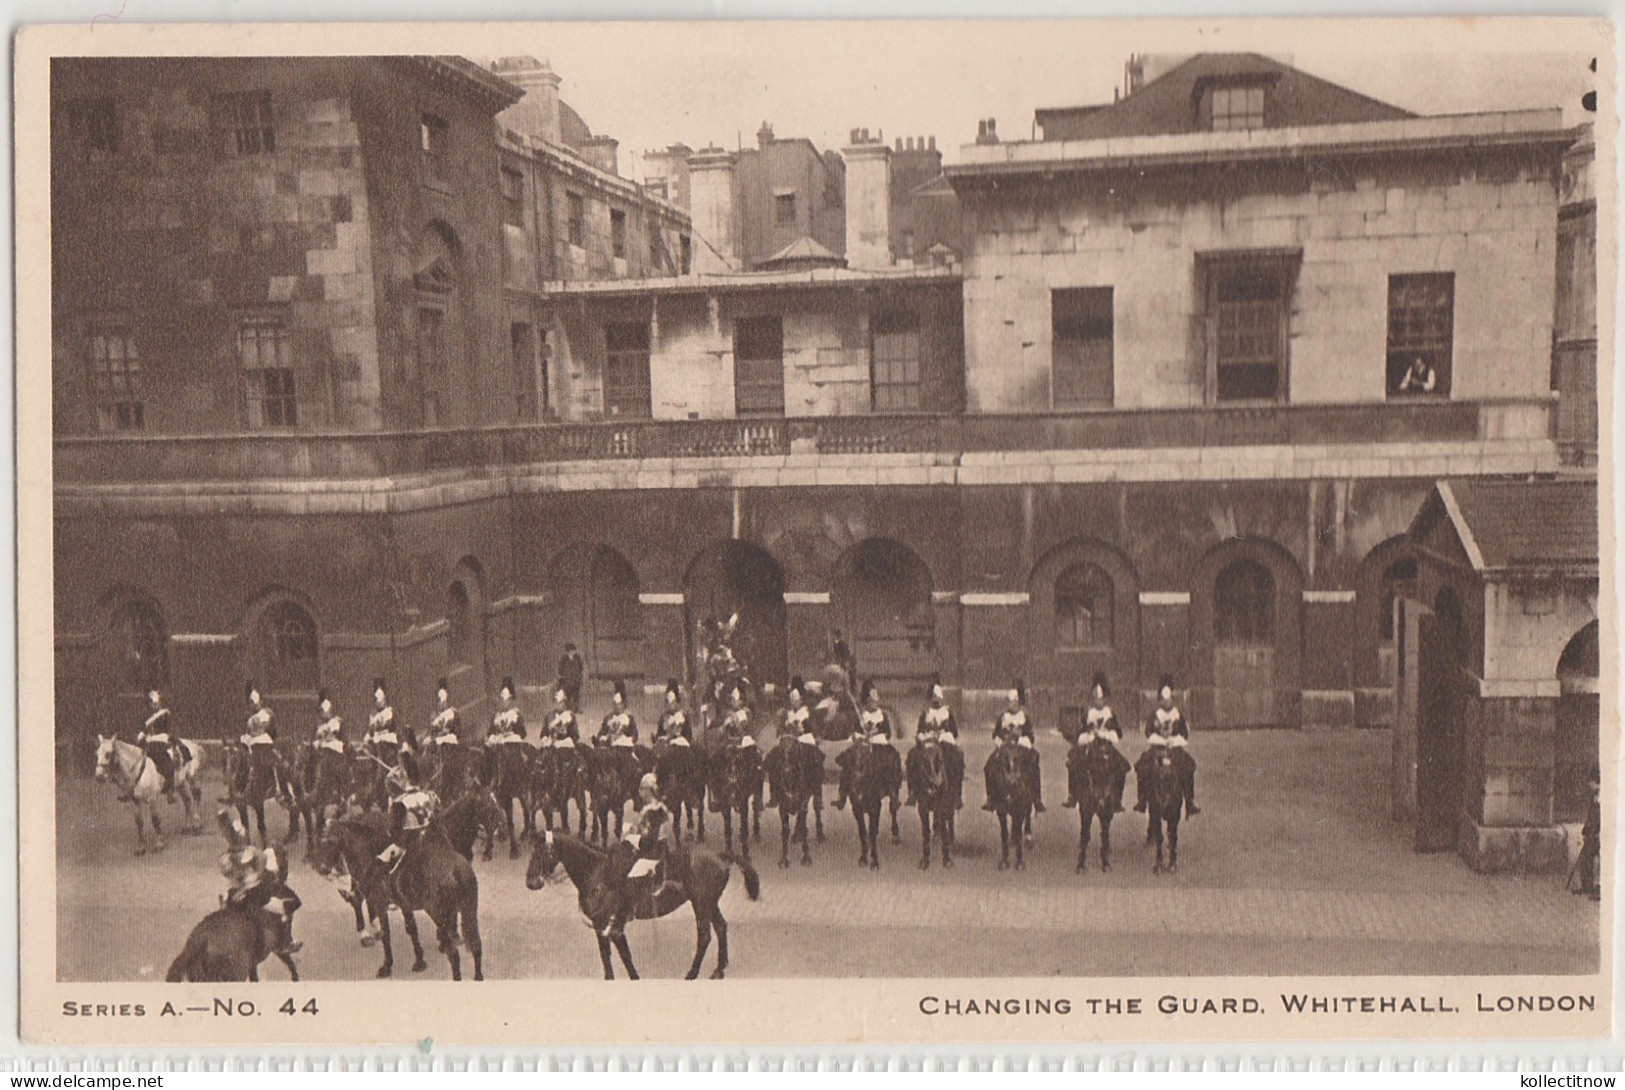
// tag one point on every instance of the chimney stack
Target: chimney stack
(868, 202)
(603, 152)
(987, 131)
(711, 207)
(537, 114)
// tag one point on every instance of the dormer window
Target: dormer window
(1235, 109)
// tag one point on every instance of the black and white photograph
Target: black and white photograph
(868, 503)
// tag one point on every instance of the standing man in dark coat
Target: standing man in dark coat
(572, 670)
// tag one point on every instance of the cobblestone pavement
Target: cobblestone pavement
(1293, 867)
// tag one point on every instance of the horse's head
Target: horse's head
(328, 858)
(932, 765)
(544, 861)
(104, 756)
(487, 810)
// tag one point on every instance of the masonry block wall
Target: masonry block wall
(1489, 219)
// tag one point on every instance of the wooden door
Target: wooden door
(1438, 737)
(1244, 685)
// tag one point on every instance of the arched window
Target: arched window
(1397, 580)
(1244, 603)
(142, 647)
(1083, 607)
(287, 644)
(459, 617)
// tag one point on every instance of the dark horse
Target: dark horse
(681, 772)
(252, 780)
(736, 783)
(228, 945)
(432, 878)
(872, 782)
(326, 783)
(612, 780)
(1165, 797)
(1012, 800)
(464, 820)
(1091, 775)
(693, 876)
(558, 777)
(796, 777)
(507, 774)
(935, 779)
(450, 767)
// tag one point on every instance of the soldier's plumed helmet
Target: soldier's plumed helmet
(618, 692)
(251, 692)
(558, 694)
(649, 784)
(409, 768)
(154, 697)
(379, 689)
(934, 690)
(442, 686)
(507, 685)
(869, 690)
(674, 689)
(1018, 691)
(1165, 687)
(1100, 686)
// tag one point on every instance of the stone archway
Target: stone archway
(738, 577)
(1579, 713)
(881, 599)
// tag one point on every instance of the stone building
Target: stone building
(1176, 412)
(1574, 336)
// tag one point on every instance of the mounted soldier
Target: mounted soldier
(736, 724)
(674, 724)
(411, 812)
(1015, 726)
(329, 733)
(795, 728)
(561, 721)
(259, 742)
(154, 737)
(620, 726)
(1100, 726)
(635, 864)
(1167, 727)
(381, 739)
(444, 726)
(875, 728)
(937, 724)
(258, 881)
(508, 723)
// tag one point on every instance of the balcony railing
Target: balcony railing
(340, 456)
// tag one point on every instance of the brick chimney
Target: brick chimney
(603, 152)
(987, 131)
(868, 201)
(711, 207)
(537, 114)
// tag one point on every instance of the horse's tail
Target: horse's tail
(180, 970)
(753, 881)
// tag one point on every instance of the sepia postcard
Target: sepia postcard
(885, 532)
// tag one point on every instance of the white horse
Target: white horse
(128, 766)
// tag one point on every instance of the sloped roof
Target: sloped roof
(1169, 103)
(804, 252)
(1507, 524)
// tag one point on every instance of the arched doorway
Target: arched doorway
(881, 600)
(1083, 618)
(1578, 716)
(1244, 644)
(599, 612)
(465, 638)
(132, 657)
(1441, 699)
(737, 577)
(282, 653)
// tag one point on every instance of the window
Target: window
(243, 121)
(431, 366)
(1083, 607)
(577, 222)
(513, 198)
(434, 139)
(1244, 604)
(115, 369)
(93, 124)
(617, 232)
(523, 340)
(1081, 347)
(287, 648)
(759, 366)
(685, 254)
(895, 363)
(1247, 329)
(266, 356)
(1235, 108)
(784, 209)
(626, 370)
(1420, 312)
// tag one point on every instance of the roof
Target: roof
(1170, 103)
(464, 76)
(1523, 524)
(804, 252)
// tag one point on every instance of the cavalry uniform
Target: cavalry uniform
(508, 724)
(255, 883)
(445, 728)
(1015, 726)
(937, 725)
(874, 729)
(259, 741)
(620, 727)
(329, 727)
(381, 739)
(674, 726)
(561, 730)
(154, 738)
(635, 860)
(410, 816)
(1167, 731)
(795, 729)
(1100, 725)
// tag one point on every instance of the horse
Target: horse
(1012, 801)
(432, 877)
(449, 767)
(1165, 798)
(558, 777)
(507, 775)
(464, 819)
(612, 780)
(326, 783)
(128, 766)
(681, 772)
(872, 782)
(693, 876)
(736, 783)
(1091, 772)
(228, 945)
(796, 777)
(252, 780)
(935, 781)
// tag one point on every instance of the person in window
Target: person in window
(1014, 722)
(1100, 724)
(1166, 726)
(154, 738)
(508, 724)
(674, 725)
(571, 671)
(1420, 378)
